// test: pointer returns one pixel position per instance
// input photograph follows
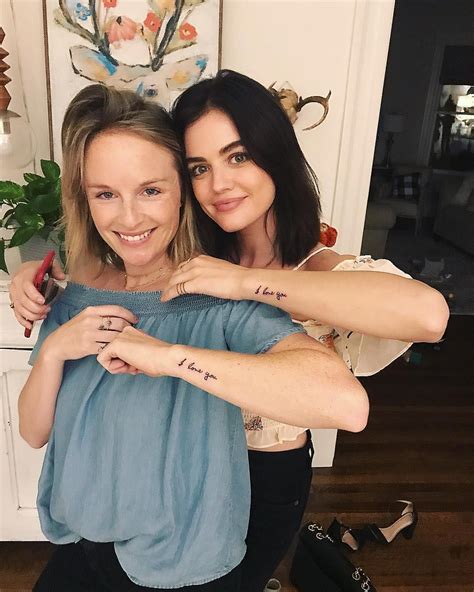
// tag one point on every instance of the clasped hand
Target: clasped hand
(108, 332)
(206, 275)
(135, 352)
(89, 332)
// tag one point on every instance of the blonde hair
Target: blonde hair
(95, 109)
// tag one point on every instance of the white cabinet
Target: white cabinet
(20, 465)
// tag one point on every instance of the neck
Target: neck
(135, 278)
(256, 244)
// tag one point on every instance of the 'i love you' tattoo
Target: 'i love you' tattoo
(192, 367)
(267, 292)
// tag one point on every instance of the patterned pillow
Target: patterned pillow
(407, 186)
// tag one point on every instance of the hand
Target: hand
(206, 275)
(134, 352)
(88, 332)
(28, 302)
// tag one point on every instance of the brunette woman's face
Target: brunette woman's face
(134, 194)
(228, 185)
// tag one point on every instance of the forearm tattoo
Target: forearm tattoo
(194, 368)
(267, 292)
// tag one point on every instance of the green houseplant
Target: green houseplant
(32, 209)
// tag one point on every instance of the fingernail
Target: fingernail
(40, 300)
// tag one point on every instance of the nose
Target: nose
(130, 214)
(222, 179)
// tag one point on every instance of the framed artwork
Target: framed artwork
(157, 48)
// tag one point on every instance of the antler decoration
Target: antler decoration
(293, 104)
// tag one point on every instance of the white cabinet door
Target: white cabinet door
(20, 465)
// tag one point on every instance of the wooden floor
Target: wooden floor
(419, 445)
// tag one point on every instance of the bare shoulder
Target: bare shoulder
(326, 260)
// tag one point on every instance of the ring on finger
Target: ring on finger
(105, 324)
(12, 305)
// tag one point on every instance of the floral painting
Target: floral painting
(157, 48)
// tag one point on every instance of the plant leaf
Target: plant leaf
(35, 221)
(43, 204)
(22, 210)
(50, 170)
(25, 217)
(5, 216)
(22, 235)
(39, 186)
(10, 191)
(3, 265)
(9, 220)
(31, 177)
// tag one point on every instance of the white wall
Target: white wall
(308, 44)
(337, 45)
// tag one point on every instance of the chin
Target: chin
(232, 224)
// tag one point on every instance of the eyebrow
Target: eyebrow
(103, 186)
(222, 151)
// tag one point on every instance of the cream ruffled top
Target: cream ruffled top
(364, 355)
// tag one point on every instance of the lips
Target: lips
(226, 205)
(135, 239)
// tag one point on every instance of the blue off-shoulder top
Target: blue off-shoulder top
(155, 465)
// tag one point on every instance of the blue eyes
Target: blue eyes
(106, 195)
(148, 192)
(151, 191)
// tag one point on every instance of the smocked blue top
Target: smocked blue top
(155, 465)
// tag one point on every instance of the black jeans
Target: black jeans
(280, 484)
(94, 567)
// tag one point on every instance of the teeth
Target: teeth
(138, 237)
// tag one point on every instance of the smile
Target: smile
(226, 205)
(135, 238)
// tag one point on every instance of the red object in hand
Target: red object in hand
(43, 282)
(328, 235)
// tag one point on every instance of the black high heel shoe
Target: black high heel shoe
(352, 538)
(405, 523)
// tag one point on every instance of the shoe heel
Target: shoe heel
(408, 532)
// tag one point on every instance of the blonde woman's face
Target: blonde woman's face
(134, 195)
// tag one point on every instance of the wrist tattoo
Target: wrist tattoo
(267, 292)
(194, 368)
